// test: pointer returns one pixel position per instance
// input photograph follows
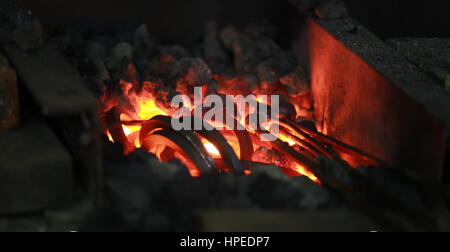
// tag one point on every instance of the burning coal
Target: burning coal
(215, 117)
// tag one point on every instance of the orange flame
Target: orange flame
(144, 108)
(212, 150)
(305, 172)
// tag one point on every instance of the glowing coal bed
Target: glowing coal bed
(136, 106)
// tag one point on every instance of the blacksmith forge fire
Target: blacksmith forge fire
(137, 114)
(273, 115)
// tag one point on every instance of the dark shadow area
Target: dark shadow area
(172, 20)
(415, 18)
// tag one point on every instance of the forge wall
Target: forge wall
(367, 95)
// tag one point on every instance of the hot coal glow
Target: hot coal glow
(137, 118)
(137, 113)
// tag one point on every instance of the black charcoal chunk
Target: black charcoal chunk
(246, 54)
(332, 9)
(336, 170)
(189, 73)
(268, 48)
(314, 196)
(212, 46)
(243, 47)
(161, 65)
(152, 85)
(287, 109)
(297, 82)
(132, 193)
(271, 70)
(268, 72)
(125, 70)
(128, 191)
(144, 43)
(272, 189)
(229, 35)
(120, 52)
(177, 51)
(164, 172)
(190, 194)
(131, 201)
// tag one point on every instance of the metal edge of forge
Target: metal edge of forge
(360, 84)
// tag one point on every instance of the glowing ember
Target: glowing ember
(108, 134)
(145, 108)
(286, 139)
(128, 130)
(211, 149)
(303, 171)
(141, 106)
(148, 109)
(250, 110)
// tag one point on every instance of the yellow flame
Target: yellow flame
(286, 140)
(300, 169)
(148, 109)
(128, 130)
(110, 138)
(212, 149)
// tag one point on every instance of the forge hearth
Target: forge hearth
(136, 104)
(358, 124)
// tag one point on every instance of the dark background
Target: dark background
(183, 20)
(403, 18)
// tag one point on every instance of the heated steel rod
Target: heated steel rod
(365, 194)
(116, 130)
(325, 150)
(162, 122)
(340, 146)
(307, 145)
